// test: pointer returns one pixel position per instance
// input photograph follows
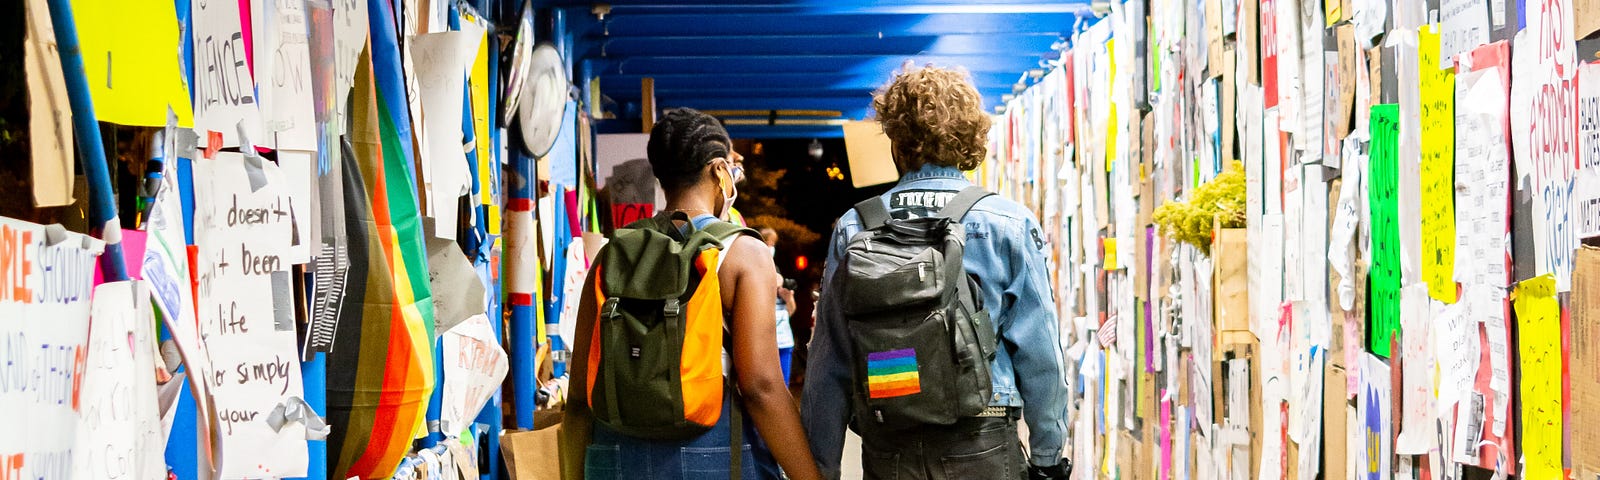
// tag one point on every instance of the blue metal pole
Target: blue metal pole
(91, 150)
(524, 345)
(314, 374)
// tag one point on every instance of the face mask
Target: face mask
(727, 183)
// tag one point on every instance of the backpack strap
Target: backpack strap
(873, 213)
(726, 233)
(963, 202)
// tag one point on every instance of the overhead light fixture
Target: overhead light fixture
(815, 149)
(1100, 8)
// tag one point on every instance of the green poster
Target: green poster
(1383, 307)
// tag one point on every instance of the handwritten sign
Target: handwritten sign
(442, 60)
(1539, 349)
(45, 276)
(1464, 25)
(1482, 178)
(1382, 188)
(242, 233)
(119, 432)
(1586, 183)
(224, 89)
(349, 38)
(1550, 28)
(474, 367)
(283, 62)
(1543, 131)
(1438, 161)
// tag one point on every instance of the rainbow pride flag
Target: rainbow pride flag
(892, 373)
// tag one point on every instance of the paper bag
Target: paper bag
(532, 455)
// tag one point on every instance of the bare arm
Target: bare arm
(748, 284)
(576, 425)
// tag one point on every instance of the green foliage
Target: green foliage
(1220, 200)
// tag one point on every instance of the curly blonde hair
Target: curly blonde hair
(933, 115)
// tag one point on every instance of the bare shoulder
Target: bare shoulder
(748, 254)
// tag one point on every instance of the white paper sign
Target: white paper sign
(1542, 137)
(349, 38)
(119, 434)
(1586, 185)
(442, 60)
(474, 367)
(44, 324)
(246, 314)
(283, 62)
(1465, 26)
(1483, 176)
(224, 90)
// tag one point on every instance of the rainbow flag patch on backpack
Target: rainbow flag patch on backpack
(892, 373)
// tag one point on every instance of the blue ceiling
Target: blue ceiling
(807, 54)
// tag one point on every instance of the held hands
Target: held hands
(1059, 471)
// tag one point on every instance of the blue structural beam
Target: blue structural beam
(1015, 63)
(785, 131)
(867, 43)
(842, 20)
(627, 86)
(852, 106)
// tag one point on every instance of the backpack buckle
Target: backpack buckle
(672, 308)
(608, 310)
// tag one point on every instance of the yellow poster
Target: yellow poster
(1110, 261)
(130, 58)
(1539, 342)
(1438, 165)
(479, 84)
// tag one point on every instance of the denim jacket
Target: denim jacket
(1005, 251)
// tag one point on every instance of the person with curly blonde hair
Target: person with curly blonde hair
(937, 130)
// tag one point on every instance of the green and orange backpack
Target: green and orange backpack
(655, 361)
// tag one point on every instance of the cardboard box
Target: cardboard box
(1334, 449)
(1230, 283)
(1585, 18)
(1584, 364)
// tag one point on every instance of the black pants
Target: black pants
(973, 448)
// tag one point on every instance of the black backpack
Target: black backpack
(922, 339)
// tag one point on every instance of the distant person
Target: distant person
(785, 305)
(932, 369)
(616, 425)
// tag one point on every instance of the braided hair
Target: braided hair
(681, 143)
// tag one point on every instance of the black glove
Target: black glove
(1059, 471)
